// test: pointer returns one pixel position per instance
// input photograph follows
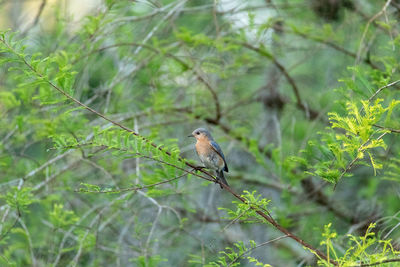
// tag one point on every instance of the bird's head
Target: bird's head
(201, 133)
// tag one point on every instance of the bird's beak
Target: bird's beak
(191, 135)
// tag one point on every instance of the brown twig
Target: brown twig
(37, 17)
(215, 19)
(269, 219)
(209, 87)
(380, 89)
(334, 46)
(312, 114)
(42, 5)
(387, 129)
(315, 193)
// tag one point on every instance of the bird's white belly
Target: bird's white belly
(208, 162)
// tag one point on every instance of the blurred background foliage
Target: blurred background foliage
(295, 92)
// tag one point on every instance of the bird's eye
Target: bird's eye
(197, 133)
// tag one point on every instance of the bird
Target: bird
(210, 153)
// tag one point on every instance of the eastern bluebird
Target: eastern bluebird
(210, 153)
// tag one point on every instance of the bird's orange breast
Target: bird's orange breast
(202, 147)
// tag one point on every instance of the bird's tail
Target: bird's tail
(221, 177)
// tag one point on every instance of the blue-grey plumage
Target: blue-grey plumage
(210, 153)
(217, 148)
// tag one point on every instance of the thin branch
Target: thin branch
(162, 20)
(235, 219)
(83, 217)
(124, 232)
(366, 17)
(360, 48)
(213, 93)
(65, 168)
(154, 224)
(350, 165)
(147, 16)
(137, 161)
(131, 188)
(37, 17)
(215, 19)
(42, 5)
(387, 129)
(391, 230)
(4, 140)
(28, 236)
(334, 46)
(12, 226)
(380, 89)
(45, 165)
(312, 114)
(75, 260)
(149, 47)
(260, 245)
(314, 193)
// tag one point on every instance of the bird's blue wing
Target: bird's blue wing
(217, 149)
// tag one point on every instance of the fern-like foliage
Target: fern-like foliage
(367, 249)
(354, 143)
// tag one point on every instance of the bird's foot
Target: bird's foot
(217, 181)
(199, 168)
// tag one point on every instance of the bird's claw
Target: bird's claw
(198, 168)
